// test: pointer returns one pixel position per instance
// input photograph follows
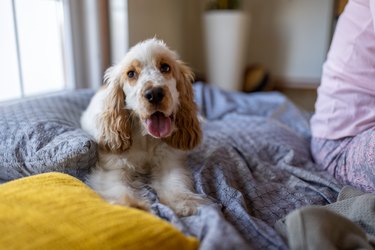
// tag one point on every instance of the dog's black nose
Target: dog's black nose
(154, 95)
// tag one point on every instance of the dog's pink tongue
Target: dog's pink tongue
(158, 125)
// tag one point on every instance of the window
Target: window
(32, 48)
(51, 45)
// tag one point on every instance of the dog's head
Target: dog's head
(150, 84)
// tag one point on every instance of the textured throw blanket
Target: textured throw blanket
(255, 163)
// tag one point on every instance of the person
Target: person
(343, 125)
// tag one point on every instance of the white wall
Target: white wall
(177, 22)
(163, 19)
(289, 37)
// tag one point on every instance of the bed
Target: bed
(254, 162)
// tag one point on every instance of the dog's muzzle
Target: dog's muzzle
(159, 123)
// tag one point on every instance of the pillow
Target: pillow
(57, 211)
(43, 134)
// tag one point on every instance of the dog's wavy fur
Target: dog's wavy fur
(131, 153)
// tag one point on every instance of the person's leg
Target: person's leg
(350, 160)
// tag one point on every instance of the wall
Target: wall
(289, 37)
(163, 19)
(177, 22)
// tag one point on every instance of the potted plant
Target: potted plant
(225, 34)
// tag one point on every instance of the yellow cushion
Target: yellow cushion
(57, 211)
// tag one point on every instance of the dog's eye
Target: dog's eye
(165, 68)
(131, 74)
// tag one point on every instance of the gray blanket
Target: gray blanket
(254, 162)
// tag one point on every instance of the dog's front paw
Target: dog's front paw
(137, 203)
(186, 204)
(134, 202)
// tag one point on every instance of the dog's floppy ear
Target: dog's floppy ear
(114, 120)
(188, 133)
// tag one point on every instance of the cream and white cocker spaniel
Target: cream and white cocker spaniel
(144, 120)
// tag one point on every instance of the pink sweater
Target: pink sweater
(346, 96)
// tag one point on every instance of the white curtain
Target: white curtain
(87, 41)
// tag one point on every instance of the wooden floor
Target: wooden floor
(303, 98)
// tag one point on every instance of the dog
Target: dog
(144, 119)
